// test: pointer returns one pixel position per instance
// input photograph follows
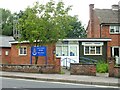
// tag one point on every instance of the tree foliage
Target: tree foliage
(77, 31)
(6, 22)
(45, 23)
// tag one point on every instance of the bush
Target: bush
(102, 67)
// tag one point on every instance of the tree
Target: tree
(77, 31)
(44, 24)
(6, 22)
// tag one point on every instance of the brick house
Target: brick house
(5, 49)
(105, 23)
(13, 52)
(19, 55)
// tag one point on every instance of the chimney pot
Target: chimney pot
(91, 5)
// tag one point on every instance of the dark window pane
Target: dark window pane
(86, 49)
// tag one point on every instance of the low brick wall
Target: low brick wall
(114, 71)
(117, 71)
(29, 68)
(83, 69)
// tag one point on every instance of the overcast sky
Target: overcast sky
(80, 7)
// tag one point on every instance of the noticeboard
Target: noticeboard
(38, 51)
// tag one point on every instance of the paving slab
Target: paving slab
(81, 79)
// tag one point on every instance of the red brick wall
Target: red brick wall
(51, 69)
(114, 71)
(115, 38)
(96, 29)
(5, 59)
(17, 59)
(93, 25)
(82, 69)
(106, 34)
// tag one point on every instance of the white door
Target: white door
(72, 55)
(69, 53)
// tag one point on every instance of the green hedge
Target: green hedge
(102, 67)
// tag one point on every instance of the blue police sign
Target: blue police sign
(38, 51)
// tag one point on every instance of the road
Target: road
(23, 83)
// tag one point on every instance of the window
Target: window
(114, 29)
(73, 50)
(62, 50)
(58, 51)
(87, 50)
(98, 51)
(6, 53)
(92, 50)
(22, 51)
(66, 50)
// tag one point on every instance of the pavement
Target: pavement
(79, 79)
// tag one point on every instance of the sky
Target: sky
(79, 7)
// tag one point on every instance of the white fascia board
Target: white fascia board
(94, 39)
(14, 42)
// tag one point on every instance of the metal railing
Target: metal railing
(68, 60)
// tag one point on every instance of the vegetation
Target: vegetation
(102, 67)
(77, 31)
(9, 20)
(44, 23)
(6, 22)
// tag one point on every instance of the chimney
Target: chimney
(115, 7)
(119, 5)
(91, 12)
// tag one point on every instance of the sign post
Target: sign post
(38, 51)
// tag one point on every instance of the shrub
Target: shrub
(102, 67)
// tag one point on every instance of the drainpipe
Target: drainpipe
(100, 30)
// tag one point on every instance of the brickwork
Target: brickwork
(83, 69)
(29, 68)
(5, 58)
(114, 71)
(93, 25)
(111, 67)
(115, 38)
(25, 59)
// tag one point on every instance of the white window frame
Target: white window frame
(6, 53)
(68, 50)
(93, 44)
(76, 50)
(95, 50)
(114, 27)
(23, 51)
(62, 49)
(113, 50)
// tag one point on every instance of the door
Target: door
(116, 53)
